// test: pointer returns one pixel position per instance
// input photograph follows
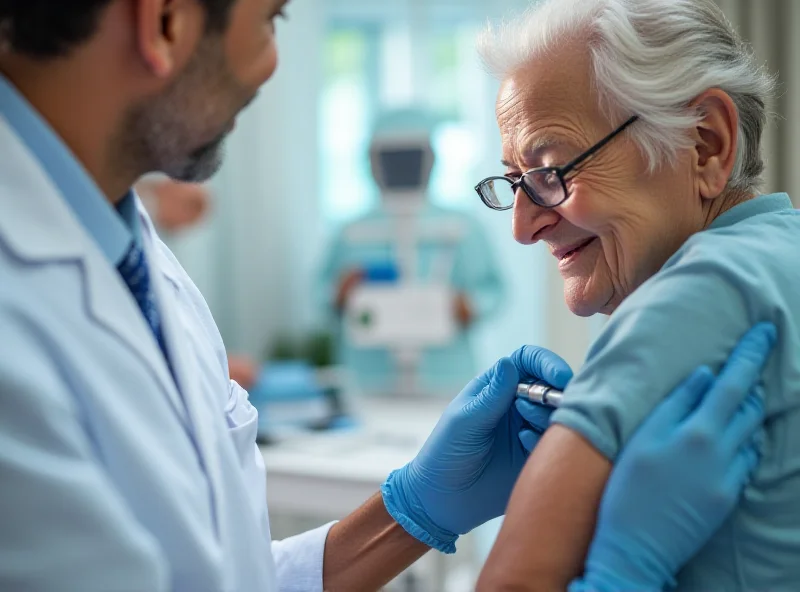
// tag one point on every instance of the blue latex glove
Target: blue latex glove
(681, 475)
(537, 416)
(464, 474)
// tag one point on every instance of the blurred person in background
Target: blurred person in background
(447, 246)
(172, 205)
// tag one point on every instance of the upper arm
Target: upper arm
(62, 523)
(550, 517)
(688, 315)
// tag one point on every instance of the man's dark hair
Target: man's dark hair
(51, 28)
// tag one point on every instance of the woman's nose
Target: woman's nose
(529, 219)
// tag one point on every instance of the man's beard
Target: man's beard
(168, 133)
(202, 164)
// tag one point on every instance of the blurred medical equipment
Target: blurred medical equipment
(287, 396)
(298, 388)
(540, 392)
(411, 277)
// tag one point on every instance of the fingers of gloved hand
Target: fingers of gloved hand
(538, 416)
(494, 400)
(741, 373)
(529, 439)
(679, 404)
(740, 472)
(537, 363)
(747, 421)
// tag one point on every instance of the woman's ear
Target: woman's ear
(716, 141)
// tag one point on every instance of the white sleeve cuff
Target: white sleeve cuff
(298, 560)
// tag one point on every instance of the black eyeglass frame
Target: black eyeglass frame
(564, 173)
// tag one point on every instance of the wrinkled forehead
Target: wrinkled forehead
(550, 101)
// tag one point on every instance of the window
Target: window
(346, 112)
(372, 67)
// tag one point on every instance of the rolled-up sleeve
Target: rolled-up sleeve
(691, 313)
(299, 560)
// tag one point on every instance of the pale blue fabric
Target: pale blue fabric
(744, 269)
(475, 272)
(111, 478)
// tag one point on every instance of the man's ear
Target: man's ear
(168, 33)
(716, 140)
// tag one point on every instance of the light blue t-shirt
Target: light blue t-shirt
(744, 269)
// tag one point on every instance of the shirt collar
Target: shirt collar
(98, 217)
(763, 204)
(129, 214)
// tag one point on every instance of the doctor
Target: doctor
(127, 456)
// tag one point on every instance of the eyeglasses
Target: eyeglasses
(545, 186)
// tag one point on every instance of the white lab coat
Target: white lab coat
(113, 479)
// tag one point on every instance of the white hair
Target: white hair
(649, 58)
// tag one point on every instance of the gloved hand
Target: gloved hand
(680, 475)
(537, 416)
(464, 473)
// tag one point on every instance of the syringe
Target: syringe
(540, 392)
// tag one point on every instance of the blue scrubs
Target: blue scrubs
(744, 269)
(474, 272)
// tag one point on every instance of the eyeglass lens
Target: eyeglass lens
(543, 187)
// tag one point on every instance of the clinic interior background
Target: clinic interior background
(296, 166)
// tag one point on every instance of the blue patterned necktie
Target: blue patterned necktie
(134, 271)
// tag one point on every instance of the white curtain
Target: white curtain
(771, 26)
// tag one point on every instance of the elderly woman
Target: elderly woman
(632, 144)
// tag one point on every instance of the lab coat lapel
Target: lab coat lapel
(40, 228)
(178, 337)
(113, 306)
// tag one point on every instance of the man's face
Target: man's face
(621, 222)
(181, 131)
